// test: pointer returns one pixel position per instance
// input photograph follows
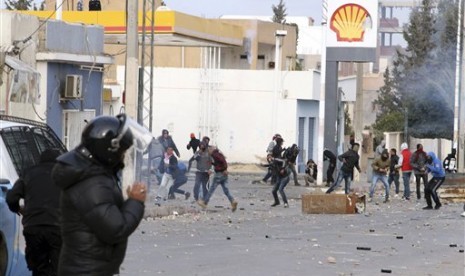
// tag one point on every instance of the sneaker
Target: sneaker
(275, 204)
(463, 214)
(171, 196)
(370, 199)
(187, 195)
(396, 195)
(286, 205)
(233, 206)
(262, 181)
(297, 184)
(202, 203)
(428, 208)
(386, 200)
(437, 206)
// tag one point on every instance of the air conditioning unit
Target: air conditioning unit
(73, 87)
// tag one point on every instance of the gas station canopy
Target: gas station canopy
(171, 28)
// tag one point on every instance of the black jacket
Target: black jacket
(168, 142)
(41, 197)
(393, 169)
(328, 155)
(96, 221)
(351, 160)
(194, 144)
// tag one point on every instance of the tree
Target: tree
(388, 99)
(20, 5)
(419, 32)
(422, 77)
(279, 13)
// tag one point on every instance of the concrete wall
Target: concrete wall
(55, 37)
(73, 38)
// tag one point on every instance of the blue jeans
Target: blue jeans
(406, 178)
(219, 179)
(201, 179)
(175, 188)
(394, 177)
(347, 179)
(383, 178)
(279, 185)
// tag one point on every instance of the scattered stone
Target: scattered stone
(252, 204)
(228, 238)
(372, 230)
(143, 232)
(400, 237)
(242, 209)
(219, 206)
(460, 250)
(386, 271)
(331, 260)
(453, 245)
(267, 237)
(363, 248)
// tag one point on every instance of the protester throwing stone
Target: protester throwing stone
(349, 159)
(220, 178)
(434, 166)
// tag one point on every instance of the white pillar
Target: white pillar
(276, 86)
(321, 115)
(59, 9)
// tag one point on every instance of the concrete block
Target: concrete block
(332, 203)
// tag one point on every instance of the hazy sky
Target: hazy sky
(217, 8)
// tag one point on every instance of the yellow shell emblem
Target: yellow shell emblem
(349, 22)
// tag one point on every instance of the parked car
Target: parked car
(21, 143)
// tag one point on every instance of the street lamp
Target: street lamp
(277, 67)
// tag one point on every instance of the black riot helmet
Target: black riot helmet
(107, 138)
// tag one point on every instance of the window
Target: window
(25, 144)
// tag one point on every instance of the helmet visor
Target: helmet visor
(141, 136)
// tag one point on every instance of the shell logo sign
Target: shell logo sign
(352, 24)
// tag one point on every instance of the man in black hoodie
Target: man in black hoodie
(349, 160)
(96, 220)
(40, 214)
(167, 141)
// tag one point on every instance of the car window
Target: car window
(25, 144)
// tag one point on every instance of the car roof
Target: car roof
(12, 121)
(6, 124)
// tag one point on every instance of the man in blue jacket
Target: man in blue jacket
(434, 166)
(179, 180)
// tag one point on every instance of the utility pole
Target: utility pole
(459, 101)
(131, 83)
(132, 59)
(322, 166)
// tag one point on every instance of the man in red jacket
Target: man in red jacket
(404, 162)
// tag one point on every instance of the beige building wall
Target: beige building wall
(108, 5)
(257, 52)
